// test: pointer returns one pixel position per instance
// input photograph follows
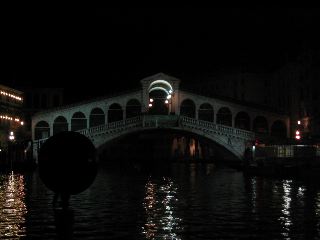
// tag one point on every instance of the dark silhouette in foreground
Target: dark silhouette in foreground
(67, 166)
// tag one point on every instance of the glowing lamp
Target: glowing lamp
(166, 101)
(169, 96)
(150, 104)
(298, 137)
(299, 122)
(151, 100)
(297, 132)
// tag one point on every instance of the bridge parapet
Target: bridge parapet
(219, 129)
(160, 121)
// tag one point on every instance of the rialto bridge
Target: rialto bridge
(160, 103)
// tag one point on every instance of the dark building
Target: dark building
(11, 115)
(299, 84)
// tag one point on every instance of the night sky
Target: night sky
(115, 48)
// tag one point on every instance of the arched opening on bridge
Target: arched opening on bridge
(115, 113)
(133, 108)
(278, 129)
(260, 125)
(155, 148)
(188, 108)
(224, 116)
(242, 121)
(60, 124)
(41, 130)
(97, 117)
(157, 102)
(160, 97)
(206, 112)
(78, 121)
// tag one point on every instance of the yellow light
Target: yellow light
(10, 95)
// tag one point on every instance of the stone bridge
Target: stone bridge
(160, 103)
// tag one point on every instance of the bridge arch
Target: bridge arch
(230, 153)
(41, 130)
(115, 113)
(278, 129)
(260, 125)
(242, 121)
(97, 117)
(224, 116)
(161, 85)
(206, 112)
(188, 108)
(60, 124)
(78, 121)
(133, 108)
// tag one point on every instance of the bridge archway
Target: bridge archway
(224, 116)
(157, 101)
(133, 108)
(260, 125)
(78, 121)
(115, 113)
(191, 144)
(97, 117)
(242, 121)
(278, 129)
(188, 108)
(206, 112)
(41, 130)
(60, 124)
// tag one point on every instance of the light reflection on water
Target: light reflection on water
(12, 206)
(160, 205)
(190, 204)
(286, 207)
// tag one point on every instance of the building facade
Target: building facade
(11, 115)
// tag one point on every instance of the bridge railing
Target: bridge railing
(154, 121)
(191, 122)
(160, 121)
(111, 126)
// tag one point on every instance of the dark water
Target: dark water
(187, 202)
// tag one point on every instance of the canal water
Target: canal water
(185, 201)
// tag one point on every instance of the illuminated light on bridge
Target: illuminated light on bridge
(159, 88)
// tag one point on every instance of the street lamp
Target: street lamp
(11, 139)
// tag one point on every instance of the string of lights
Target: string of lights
(11, 95)
(9, 118)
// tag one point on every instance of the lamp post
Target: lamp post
(11, 139)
